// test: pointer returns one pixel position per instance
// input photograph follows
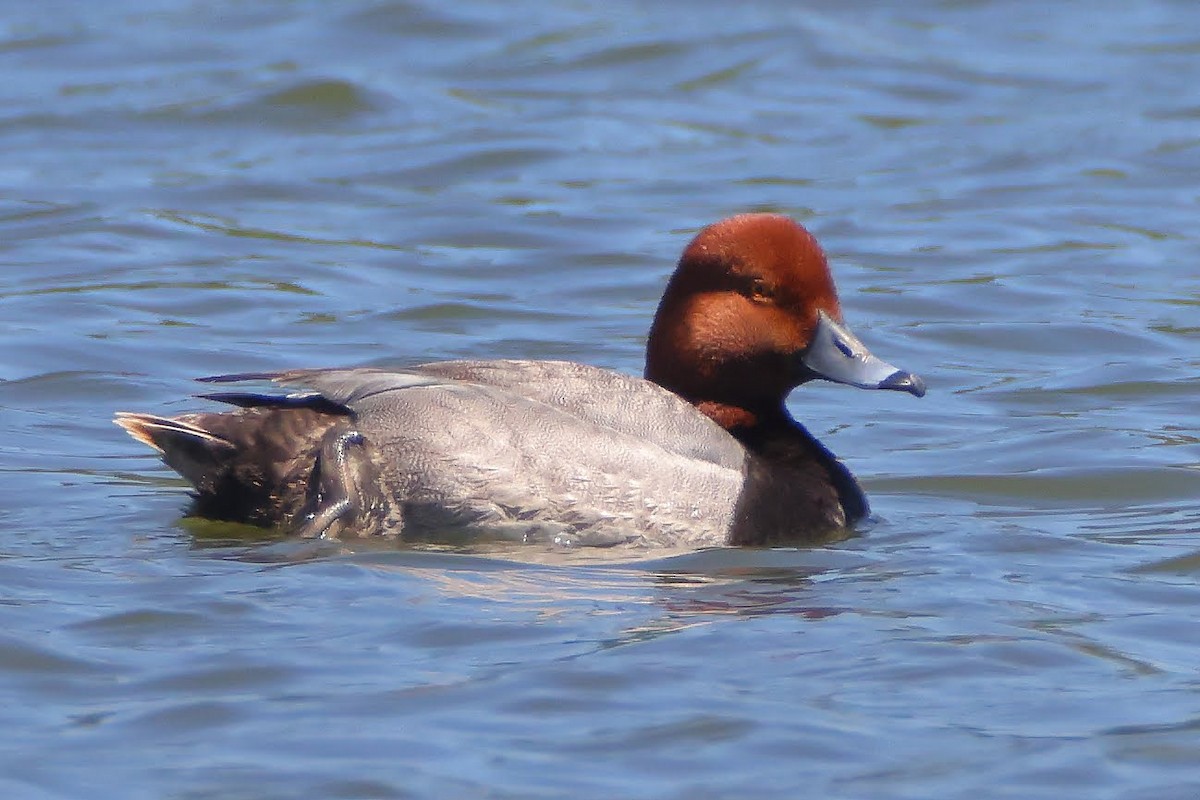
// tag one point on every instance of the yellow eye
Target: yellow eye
(761, 291)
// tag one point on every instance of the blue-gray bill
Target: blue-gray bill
(836, 354)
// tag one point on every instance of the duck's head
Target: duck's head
(749, 314)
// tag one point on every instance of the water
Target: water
(1009, 201)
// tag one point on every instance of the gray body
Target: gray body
(517, 449)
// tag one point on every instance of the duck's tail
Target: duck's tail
(254, 465)
(196, 454)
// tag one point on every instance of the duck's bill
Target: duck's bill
(836, 354)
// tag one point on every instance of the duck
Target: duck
(700, 451)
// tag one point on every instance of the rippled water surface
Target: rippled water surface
(1009, 197)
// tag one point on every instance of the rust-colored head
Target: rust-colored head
(734, 329)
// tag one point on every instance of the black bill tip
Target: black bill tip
(903, 381)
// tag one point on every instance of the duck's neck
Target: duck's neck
(763, 425)
(774, 436)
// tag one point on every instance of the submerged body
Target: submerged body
(702, 452)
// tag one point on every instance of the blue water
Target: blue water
(1008, 198)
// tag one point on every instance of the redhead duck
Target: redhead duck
(701, 452)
